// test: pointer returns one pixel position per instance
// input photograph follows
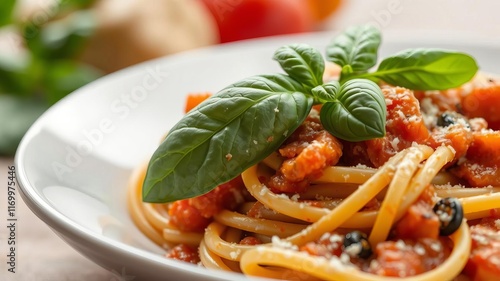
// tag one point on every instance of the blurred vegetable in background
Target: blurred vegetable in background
(44, 70)
(245, 19)
(61, 45)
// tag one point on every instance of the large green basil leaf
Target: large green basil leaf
(355, 49)
(225, 135)
(427, 69)
(359, 112)
(302, 62)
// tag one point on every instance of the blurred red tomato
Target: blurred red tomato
(244, 19)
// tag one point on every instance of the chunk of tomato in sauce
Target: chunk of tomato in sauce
(482, 161)
(404, 126)
(183, 252)
(403, 258)
(419, 221)
(186, 217)
(483, 102)
(196, 213)
(308, 151)
(484, 260)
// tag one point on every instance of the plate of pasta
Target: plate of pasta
(352, 155)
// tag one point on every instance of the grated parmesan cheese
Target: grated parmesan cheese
(283, 244)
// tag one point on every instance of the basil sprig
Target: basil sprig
(418, 69)
(246, 121)
(355, 50)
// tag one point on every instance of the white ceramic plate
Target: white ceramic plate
(74, 163)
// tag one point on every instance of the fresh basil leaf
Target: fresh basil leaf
(225, 135)
(302, 62)
(358, 114)
(427, 69)
(326, 92)
(16, 116)
(6, 10)
(355, 50)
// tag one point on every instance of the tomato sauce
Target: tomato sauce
(196, 213)
(307, 153)
(484, 261)
(183, 252)
(482, 161)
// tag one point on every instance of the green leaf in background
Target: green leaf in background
(14, 74)
(302, 62)
(16, 116)
(60, 39)
(426, 69)
(65, 76)
(358, 113)
(355, 50)
(72, 5)
(6, 9)
(225, 135)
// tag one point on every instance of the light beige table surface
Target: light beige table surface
(41, 255)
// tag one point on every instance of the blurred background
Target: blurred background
(49, 48)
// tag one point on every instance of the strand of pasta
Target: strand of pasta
(366, 192)
(214, 242)
(266, 213)
(460, 192)
(481, 202)
(424, 176)
(257, 225)
(334, 269)
(330, 174)
(477, 215)
(210, 259)
(156, 219)
(356, 174)
(176, 236)
(135, 205)
(295, 209)
(151, 221)
(395, 192)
